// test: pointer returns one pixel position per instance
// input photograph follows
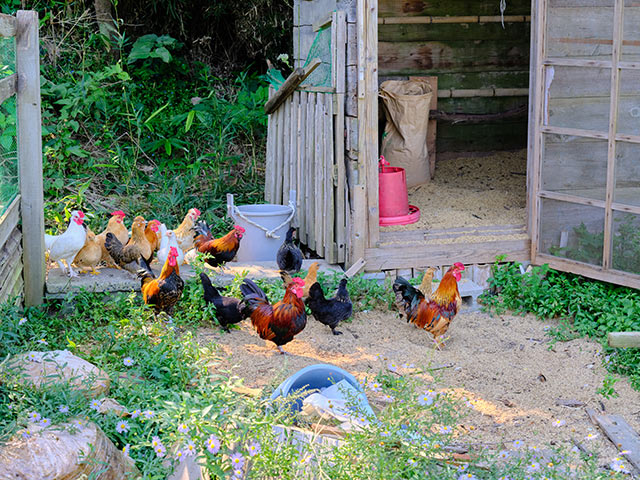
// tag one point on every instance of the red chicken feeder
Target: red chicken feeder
(393, 197)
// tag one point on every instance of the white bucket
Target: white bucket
(260, 241)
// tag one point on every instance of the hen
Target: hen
(164, 292)
(127, 256)
(66, 245)
(184, 232)
(426, 287)
(330, 311)
(221, 249)
(229, 310)
(168, 240)
(151, 234)
(277, 323)
(434, 314)
(90, 255)
(115, 226)
(289, 256)
(310, 279)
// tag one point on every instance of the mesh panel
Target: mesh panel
(320, 48)
(8, 131)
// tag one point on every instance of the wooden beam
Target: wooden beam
(7, 25)
(624, 339)
(320, 24)
(574, 132)
(470, 118)
(30, 155)
(9, 220)
(355, 268)
(8, 86)
(290, 84)
(621, 434)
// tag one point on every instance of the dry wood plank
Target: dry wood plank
(318, 167)
(410, 8)
(9, 220)
(355, 268)
(339, 135)
(290, 84)
(8, 274)
(624, 339)
(626, 208)
(622, 435)
(358, 224)
(287, 136)
(320, 24)
(302, 170)
(270, 177)
(10, 250)
(330, 249)
(294, 131)
(310, 171)
(307, 13)
(279, 141)
(8, 87)
(567, 197)
(576, 62)
(7, 25)
(8, 284)
(574, 132)
(30, 154)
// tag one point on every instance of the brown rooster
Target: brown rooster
(184, 232)
(221, 249)
(115, 226)
(127, 256)
(163, 292)
(278, 323)
(434, 314)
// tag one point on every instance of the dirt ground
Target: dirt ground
(503, 364)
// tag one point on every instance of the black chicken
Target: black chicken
(330, 311)
(289, 256)
(228, 309)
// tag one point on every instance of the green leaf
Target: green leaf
(70, 343)
(189, 122)
(162, 53)
(167, 146)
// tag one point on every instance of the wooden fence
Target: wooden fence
(22, 267)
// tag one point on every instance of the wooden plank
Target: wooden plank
(394, 8)
(622, 435)
(576, 62)
(624, 339)
(7, 25)
(10, 250)
(294, 133)
(8, 87)
(567, 197)
(30, 154)
(355, 268)
(397, 257)
(318, 167)
(466, 21)
(358, 235)
(320, 24)
(329, 189)
(533, 72)
(9, 219)
(287, 138)
(420, 236)
(7, 283)
(308, 13)
(339, 136)
(270, 173)
(310, 170)
(302, 168)
(290, 84)
(575, 132)
(279, 141)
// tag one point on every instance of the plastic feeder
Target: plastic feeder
(393, 197)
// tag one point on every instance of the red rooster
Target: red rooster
(436, 313)
(278, 323)
(163, 292)
(221, 249)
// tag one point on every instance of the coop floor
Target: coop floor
(506, 365)
(472, 190)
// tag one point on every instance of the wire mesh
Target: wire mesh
(320, 48)
(8, 130)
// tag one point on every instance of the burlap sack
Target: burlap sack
(404, 143)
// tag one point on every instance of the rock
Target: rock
(58, 366)
(188, 469)
(58, 452)
(109, 405)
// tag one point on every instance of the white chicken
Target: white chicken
(67, 245)
(168, 240)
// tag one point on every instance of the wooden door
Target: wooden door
(585, 173)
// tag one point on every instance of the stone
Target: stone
(109, 405)
(58, 366)
(64, 451)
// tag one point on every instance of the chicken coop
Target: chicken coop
(22, 269)
(533, 138)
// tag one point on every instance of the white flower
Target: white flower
(22, 321)
(128, 361)
(42, 341)
(63, 409)
(591, 436)
(559, 423)
(95, 404)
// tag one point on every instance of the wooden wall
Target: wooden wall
(474, 52)
(11, 282)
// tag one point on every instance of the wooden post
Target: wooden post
(624, 339)
(30, 155)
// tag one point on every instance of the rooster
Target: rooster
(67, 245)
(434, 314)
(115, 226)
(165, 291)
(330, 311)
(184, 232)
(278, 323)
(90, 255)
(229, 310)
(127, 256)
(168, 240)
(426, 287)
(289, 256)
(221, 249)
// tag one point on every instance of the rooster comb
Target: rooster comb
(173, 251)
(120, 213)
(239, 228)
(459, 266)
(298, 281)
(196, 211)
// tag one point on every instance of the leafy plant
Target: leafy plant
(607, 390)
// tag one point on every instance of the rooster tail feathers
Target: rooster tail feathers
(201, 228)
(113, 245)
(249, 287)
(210, 292)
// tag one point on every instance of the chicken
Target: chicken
(330, 311)
(310, 279)
(289, 256)
(141, 240)
(168, 240)
(221, 249)
(277, 323)
(67, 245)
(434, 314)
(151, 234)
(90, 255)
(229, 310)
(115, 226)
(128, 256)
(426, 287)
(185, 233)
(164, 292)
